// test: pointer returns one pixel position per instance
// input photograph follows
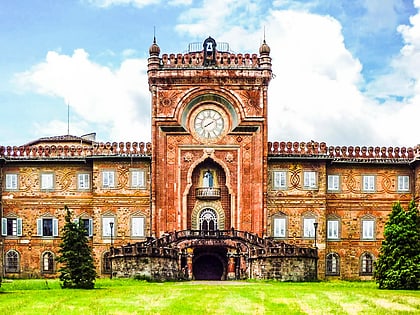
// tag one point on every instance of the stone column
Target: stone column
(231, 267)
(190, 255)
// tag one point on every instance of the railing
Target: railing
(207, 193)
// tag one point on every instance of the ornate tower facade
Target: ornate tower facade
(209, 138)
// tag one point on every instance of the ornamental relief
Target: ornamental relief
(167, 101)
(252, 102)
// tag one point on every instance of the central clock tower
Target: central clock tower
(209, 137)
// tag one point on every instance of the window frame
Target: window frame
(330, 263)
(43, 182)
(50, 262)
(280, 173)
(16, 231)
(310, 179)
(368, 183)
(364, 235)
(143, 225)
(282, 220)
(40, 227)
(331, 237)
(106, 229)
(367, 265)
(7, 267)
(308, 226)
(403, 183)
(11, 185)
(83, 183)
(142, 184)
(89, 227)
(105, 174)
(333, 185)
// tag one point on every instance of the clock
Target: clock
(209, 124)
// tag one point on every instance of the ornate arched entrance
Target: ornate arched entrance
(209, 263)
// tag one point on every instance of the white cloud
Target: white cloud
(116, 100)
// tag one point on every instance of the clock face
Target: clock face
(209, 124)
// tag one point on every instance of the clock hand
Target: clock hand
(208, 124)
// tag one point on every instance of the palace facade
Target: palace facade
(209, 197)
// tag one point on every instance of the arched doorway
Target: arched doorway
(209, 263)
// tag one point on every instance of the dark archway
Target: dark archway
(209, 264)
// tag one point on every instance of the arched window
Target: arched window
(12, 261)
(106, 263)
(47, 262)
(332, 264)
(366, 266)
(208, 220)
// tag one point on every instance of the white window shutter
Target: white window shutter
(55, 227)
(19, 227)
(39, 227)
(90, 227)
(111, 179)
(3, 226)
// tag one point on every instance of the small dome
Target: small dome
(264, 48)
(154, 49)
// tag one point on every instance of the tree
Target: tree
(78, 270)
(398, 265)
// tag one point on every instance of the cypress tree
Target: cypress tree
(398, 265)
(77, 270)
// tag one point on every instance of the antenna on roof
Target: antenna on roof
(154, 34)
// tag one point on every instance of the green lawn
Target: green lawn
(124, 296)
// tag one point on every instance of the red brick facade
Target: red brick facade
(209, 166)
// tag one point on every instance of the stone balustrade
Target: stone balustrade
(75, 151)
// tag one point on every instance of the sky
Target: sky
(345, 72)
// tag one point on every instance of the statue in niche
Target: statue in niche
(208, 180)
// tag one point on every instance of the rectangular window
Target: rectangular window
(137, 179)
(108, 179)
(47, 181)
(309, 179)
(137, 226)
(333, 182)
(47, 227)
(308, 227)
(88, 225)
(83, 181)
(11, 181)
(279, 227)
(368, 183)
(279, 179)
(368, 229)
(106, 227)
(403, 183)
(11, 227)
(332, 229)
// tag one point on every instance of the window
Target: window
(88, 225)
(108, 179)
(137, 226)
(47, 227)
(279, 179)
(47, 181)
(83, 181)
(279, 227)
(11, 181)
(368, 183)
(309, 179)
(137, 179)
(11, 227)
(403, 183)
(332, 264)
(12, 261)
(47, 262)
(308, 227)
(368, 229)
(106, 227)
(333, 229)
(208, 220)
(333, 182)
(366, 267)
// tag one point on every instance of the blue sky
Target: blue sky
(346, 72)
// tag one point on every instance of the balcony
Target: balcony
(207, 193)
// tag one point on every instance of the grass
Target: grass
(126, 296)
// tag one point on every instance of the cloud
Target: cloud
(117, 101)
